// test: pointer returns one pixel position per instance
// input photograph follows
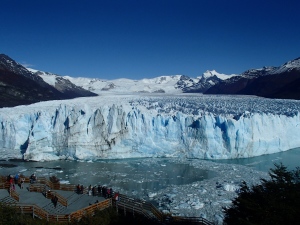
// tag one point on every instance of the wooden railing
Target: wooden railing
(147, 209)
(48, 193)
(190, 220)
(6, 185)
(60, 199)
(37, 188)
(90, 210)
(36, 211)
(125, 203)
(15, 195)
(57, 186)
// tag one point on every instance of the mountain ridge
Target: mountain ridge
(272, 82)
(19, 86)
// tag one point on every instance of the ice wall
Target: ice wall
(83, 130)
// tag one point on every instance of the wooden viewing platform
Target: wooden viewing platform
(35, 199)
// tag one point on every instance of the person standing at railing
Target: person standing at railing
(81, 189)
(90, 190)
(32, 178)
(108, 193)
(104, 191)
(17, 179)
(99, 190)
(78, 189)
(22, 182)
(11, 183)
(94, 190)
(116, 196)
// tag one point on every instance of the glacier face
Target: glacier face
(125, 126)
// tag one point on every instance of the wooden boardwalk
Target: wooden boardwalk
(36, 198)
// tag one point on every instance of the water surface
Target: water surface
(139, 176)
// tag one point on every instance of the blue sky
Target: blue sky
(149, 38)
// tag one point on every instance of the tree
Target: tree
(274, 201)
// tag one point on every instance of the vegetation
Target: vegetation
(274, 201)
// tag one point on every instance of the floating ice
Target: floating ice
(230, 187)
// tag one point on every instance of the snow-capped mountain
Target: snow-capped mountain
(251, 82)
(148, 125)
(8, 64)
(207, 80)
(163, 84)
(19, 86)
(271, 82)
(61, 84)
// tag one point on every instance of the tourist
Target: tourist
(116, 196)
(99, 190)
(104, 191)
(81, 189)
(22, 182)
(32, 178)
(11, 182)
(78, 189)
(54, 200)
(94, 191)
(108, 193)
(90, 190)
(17, 179)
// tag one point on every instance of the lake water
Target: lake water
(139, 176)
(290, 158)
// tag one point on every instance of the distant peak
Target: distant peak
(211, 73)
(290, 65)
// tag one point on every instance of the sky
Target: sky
(138, 39)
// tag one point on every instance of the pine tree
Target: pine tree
(274, 201)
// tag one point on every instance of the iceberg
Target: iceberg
(128, 126)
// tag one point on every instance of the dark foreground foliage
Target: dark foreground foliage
(274, 201)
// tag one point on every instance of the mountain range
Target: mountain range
(21, 86)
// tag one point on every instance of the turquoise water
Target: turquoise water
(139, 176)
(290, 158)
(134, 175)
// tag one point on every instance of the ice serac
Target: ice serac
(128, 126)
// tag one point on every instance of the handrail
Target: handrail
(143, 207)
(36, 187)
(42, 214)
(4, 185)
(191, 220)
(60, 199)
(131, 204)
(15, 195)
(91, 209)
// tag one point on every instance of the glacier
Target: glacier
(150, 125)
